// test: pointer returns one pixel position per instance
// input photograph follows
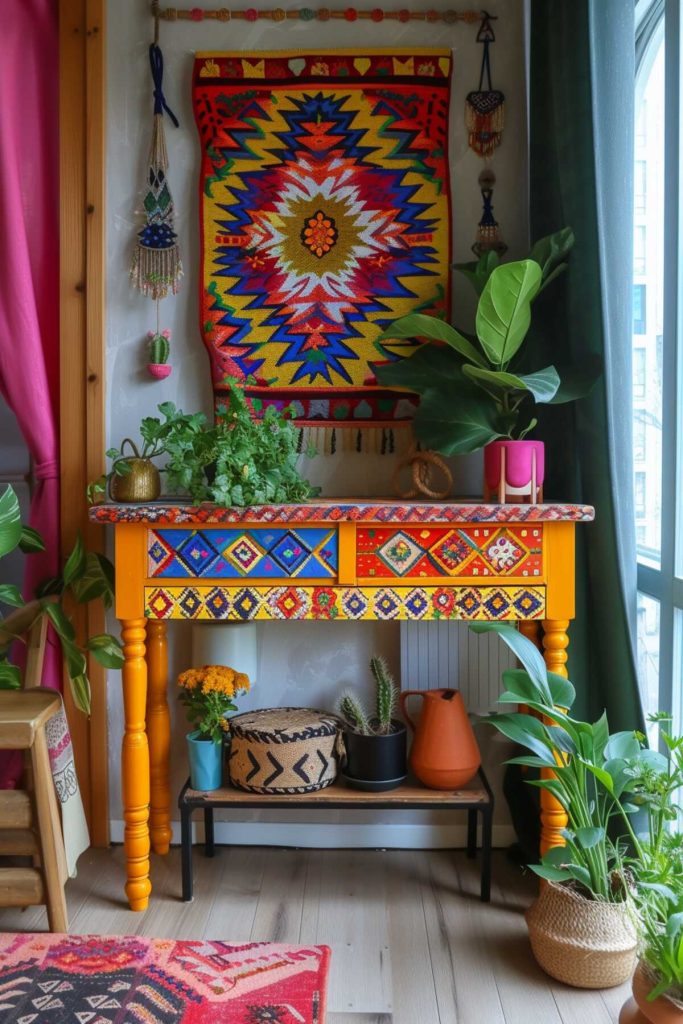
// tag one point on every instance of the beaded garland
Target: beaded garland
(376, 14)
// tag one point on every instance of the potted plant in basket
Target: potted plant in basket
(375, 744)
(475, 391)
(583, 925)
(208, 695)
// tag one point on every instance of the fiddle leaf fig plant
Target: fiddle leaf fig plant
(475, 389)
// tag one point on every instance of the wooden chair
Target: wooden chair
(29, 818)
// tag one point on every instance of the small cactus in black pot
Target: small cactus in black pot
(375, 743)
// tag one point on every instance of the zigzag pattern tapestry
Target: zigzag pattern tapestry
(325, 215)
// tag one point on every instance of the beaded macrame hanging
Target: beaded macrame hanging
(485, 108)
(156, 266)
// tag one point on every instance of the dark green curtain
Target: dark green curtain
(581, 174)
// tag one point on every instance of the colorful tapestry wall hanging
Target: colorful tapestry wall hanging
(124, 978)
(325, 215)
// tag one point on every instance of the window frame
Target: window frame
(665, 583)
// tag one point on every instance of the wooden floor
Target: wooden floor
(411, 943)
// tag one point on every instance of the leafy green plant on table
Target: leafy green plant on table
(386, 699)
(474, 388)
(86, 576)
(238, 460)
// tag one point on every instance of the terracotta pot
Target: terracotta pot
(514, 471)
(638, 1011)
(159, 370)
(444, 754)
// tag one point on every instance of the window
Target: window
(639, 244)
(658, 355)
(639, 321)
(640, 183)
(640, 494)
(639, 437)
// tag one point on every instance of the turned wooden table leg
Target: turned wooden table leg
(135, 764)
(159, 736)
(553, 816)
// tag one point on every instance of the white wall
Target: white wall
(294, 658)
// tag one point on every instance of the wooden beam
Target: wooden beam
(82, 284)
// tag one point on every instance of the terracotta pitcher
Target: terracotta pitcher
(444, 754)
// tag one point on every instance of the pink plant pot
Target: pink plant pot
(159, 370)
(518, 458)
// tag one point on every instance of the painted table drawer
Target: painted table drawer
(413, 553)
(260, 553)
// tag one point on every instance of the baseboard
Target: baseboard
(327, 836)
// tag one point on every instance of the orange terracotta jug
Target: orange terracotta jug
(444, 754)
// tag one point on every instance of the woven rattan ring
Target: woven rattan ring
(422, 465)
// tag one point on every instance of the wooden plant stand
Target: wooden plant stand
(476, 799)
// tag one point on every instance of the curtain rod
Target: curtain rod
(277, 14)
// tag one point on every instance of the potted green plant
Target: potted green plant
(159, 345)
(475, 389)
(208, 695)
(653, 786)
(238, 460)
(86, 576)
(582, 927)
(375, 743)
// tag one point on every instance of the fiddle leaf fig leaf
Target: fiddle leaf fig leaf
(458, 425)
(478, 271)
(551, 251)
(542, 385)
(419, 325)
(504, 311)
(10, 521)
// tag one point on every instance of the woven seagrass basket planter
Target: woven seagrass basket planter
(283, 750)
(584, 943)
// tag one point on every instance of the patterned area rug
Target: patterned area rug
(52, 979)
(325, 215)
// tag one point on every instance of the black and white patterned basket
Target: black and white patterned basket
(283, 750)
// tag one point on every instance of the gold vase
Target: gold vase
(142, 483)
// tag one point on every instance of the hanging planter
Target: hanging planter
(159, 351)
(514, 471)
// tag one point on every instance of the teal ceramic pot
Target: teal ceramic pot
(206, 762)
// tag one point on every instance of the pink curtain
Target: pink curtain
(29, 262)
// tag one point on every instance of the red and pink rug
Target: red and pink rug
(91, 979)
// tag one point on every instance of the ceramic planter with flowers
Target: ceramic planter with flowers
(208, 695)
(159, 351)
(476, 391)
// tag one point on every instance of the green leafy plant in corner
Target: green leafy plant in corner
(354, 713)
(86, 576)
(473, 388)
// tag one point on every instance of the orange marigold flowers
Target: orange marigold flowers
(208, 694)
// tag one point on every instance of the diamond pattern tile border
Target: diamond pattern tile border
(352, 603)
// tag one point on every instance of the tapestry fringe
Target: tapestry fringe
(362, 440)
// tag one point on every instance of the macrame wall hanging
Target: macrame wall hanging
(156, 267)
(485, 119)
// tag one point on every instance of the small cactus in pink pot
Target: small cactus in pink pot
(159, 351)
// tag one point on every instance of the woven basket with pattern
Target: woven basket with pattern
(283, 750)
(585, 943)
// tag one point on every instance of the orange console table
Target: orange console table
(335, 560)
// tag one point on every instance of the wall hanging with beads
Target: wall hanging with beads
(156, 266)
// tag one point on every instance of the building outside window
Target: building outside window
(640, 310)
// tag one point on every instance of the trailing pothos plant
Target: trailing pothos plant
(86, 576)
(595, 775)
(474, 388)
(238, 460)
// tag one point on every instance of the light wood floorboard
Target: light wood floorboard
(411, 943)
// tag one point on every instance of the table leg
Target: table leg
(486, 845)
(135, 764)
(471, 834)
(186, 850)
(209, 846)
(553, 816)
(159, 735)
